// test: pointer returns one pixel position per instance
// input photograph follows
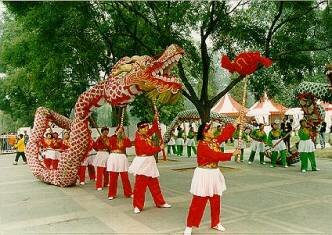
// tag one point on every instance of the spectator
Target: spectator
(20, 146)
(322, 131)
(283, 124)
(287, 132)
(26, 138)
(330, 137)
(2, 142)
(254, 123)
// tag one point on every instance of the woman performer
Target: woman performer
(208, 183)
(278, 145)
(57, 144)
(217, 132)
(117, 163)
(259, 139)
(306, 147)
(102, 146)
(242, 146)
(144, 167)
(65, 140)
(191, 141)
(88, 161)
(171, 144)
(48, 152)
(179, 142)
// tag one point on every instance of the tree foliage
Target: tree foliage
(51, 53)
(55, 50)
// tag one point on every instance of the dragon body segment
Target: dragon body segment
(309, 93)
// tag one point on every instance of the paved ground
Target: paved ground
(259, 200)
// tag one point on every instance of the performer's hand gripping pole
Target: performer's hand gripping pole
(121, 123)
(93, 122)
(154, 103)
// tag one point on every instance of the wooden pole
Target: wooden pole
(94, 124)
(154, 102)
(241, 117)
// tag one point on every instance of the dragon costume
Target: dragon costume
(129, 77)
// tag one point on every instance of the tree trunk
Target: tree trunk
(204, 113)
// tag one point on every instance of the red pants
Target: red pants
(55, 164)
(92, 172)
(114, 184)
(101, 173)
(141, 182)
(81, 173)
(48, 163)
(197, 207)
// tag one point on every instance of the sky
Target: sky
(2, 7)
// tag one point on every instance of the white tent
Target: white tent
(261, 115)
(228, 106)
(328, 114)
(266, 110)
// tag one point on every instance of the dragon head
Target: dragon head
(152, 75)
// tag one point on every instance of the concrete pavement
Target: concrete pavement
(258, 200)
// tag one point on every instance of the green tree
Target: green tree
(51, 54)
(64, 45)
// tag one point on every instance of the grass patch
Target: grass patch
(324, 153)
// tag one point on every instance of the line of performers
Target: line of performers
(261, 141)
(52, 146)
(107, 160)
(275, 142)
(178, 140)
(111, 161)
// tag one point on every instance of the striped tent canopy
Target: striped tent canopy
(269, 105)
(228, 106)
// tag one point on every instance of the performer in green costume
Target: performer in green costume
(242, 145)
(171, 145)
(306, 147)
(278, 145)
(180, 142)
(259, 139)
(191, 141)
